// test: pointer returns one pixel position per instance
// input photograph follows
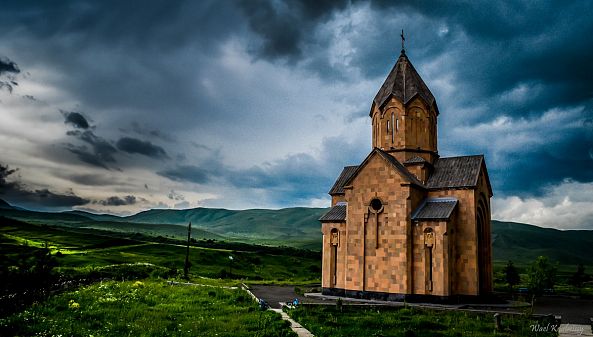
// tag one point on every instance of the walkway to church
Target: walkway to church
(274, 295)
(572, 311)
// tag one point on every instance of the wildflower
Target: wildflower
(73, 305)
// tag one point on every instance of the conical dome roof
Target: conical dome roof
(403, 83)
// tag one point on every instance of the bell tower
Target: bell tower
(404, 115)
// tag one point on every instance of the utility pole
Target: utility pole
(187, 264)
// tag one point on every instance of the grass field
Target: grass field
(150, 307)
(326, 321)
(147, 308)
(83, 251)
(134, 297)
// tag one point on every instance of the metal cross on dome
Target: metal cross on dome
(403, 39)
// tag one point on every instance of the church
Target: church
(407, 224)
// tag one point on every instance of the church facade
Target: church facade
(407, 223)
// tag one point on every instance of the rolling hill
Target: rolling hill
(298, 227)
(5, 205)
(523, 243)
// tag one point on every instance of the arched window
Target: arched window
(388, 124)
(392, 131)
(396, 124)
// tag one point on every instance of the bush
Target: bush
(25, 278)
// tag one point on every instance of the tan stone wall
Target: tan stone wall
(465, 242)
(396, 262)
(326, 262)
(337, 198)
(381, 265)
(421, 171)
(483, 193)
(441, 258)
(414, 127)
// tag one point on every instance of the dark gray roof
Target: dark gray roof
(335, 214)
(338, 187)
(435, 209)
(403, 82)
(455, 172)
(416, 160)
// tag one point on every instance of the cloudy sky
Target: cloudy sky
(114, 107)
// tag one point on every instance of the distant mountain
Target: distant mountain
(523, 243)
(299, 227)
(282, 224)
(5, 205)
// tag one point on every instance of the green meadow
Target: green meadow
(147, 308)
(77, 252)
(103, 285)
(338, 321)
(74, 281)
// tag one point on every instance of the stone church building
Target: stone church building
(407, 223)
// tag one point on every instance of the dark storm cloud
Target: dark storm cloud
(284, 25)
(190, 173)
(8, 71)
(17, 194)
(76, 119)
(495, 46)
(117, 201)
(124, 57)
(514, 58)
(534, 170)
(8, 66)
(292, 179)
(148, 132)
(101, 152)
(175, 196)
(133, 145)
(5, 172)
(90, 179)
(528, 156)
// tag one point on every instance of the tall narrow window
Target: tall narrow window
(334, 242)
(428, 265)
(393, 127)
(376, 134)
(396, 124)
(388, 124)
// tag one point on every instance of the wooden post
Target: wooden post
(497, 323)
(186, 266)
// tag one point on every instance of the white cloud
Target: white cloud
(565, 206)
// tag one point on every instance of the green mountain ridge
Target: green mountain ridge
(298, 227)
(5, 205)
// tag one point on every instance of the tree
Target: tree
(511, 275)
(542, 275)
(579, 277)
